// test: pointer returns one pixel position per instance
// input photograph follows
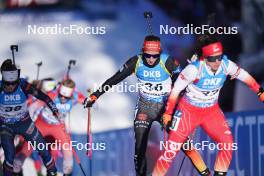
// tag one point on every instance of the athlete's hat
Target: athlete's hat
(9, 71)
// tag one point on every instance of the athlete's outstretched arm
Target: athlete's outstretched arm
(30, 89)
(188, 75)
(127, 69)
(242, 75)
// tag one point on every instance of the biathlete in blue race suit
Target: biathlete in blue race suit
(15, 119)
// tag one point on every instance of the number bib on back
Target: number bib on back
(13, 106)
(154, 83)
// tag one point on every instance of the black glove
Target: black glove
(56, 114)
(89, 101)
(261, 94)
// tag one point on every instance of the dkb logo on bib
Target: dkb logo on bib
(12, 97)
(152, 74)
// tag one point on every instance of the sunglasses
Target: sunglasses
(10, 83)
(214, 58)
(151, 55)
(61, 96)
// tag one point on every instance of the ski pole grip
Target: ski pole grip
(14, 47)
(39, 64)
(73, 62)
(148, 14)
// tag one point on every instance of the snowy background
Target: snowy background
(99, 57)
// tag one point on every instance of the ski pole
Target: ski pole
(181, 165)
(39, 64)
(71, 62)
(148, 16)
(13, 49)
(164, 135)
(75, 154)
(89, 136)
(190, 139)
(78, 161)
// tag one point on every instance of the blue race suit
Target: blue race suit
(15, 119)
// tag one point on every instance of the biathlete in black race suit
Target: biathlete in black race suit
(155, 71)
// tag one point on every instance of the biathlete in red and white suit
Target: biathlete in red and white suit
(202, 81)
(65, 97)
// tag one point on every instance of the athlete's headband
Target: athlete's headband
(213, 49)
(10, 76)
(48, 85)
(152, 46)
(66, 91)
